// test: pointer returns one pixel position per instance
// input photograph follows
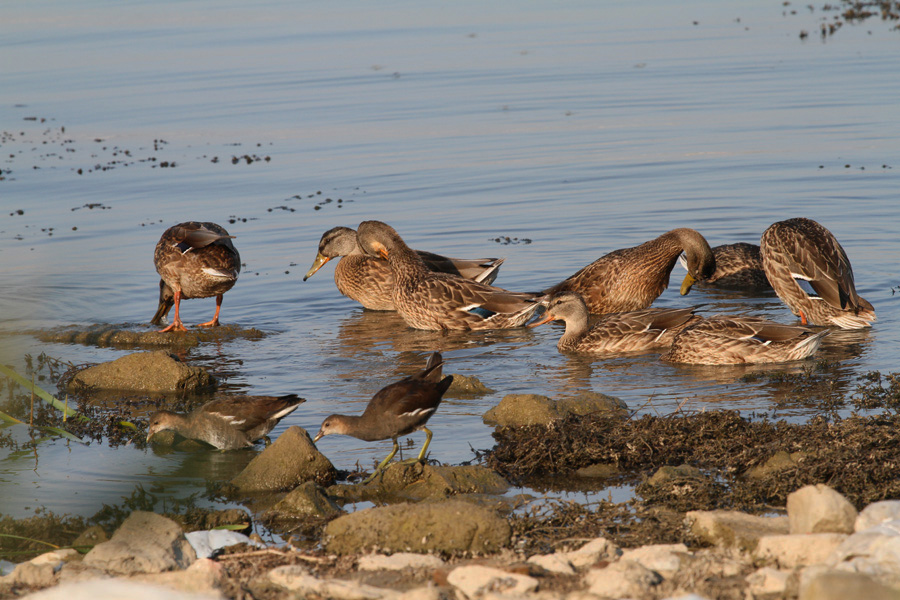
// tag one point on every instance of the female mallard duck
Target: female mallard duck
(398, 409)
(368, 280)
(194, 260)
(738, 267)
(632, 278)
(229, 423)
(635, 331)
(428, 300)
(742, 340)
(802, 250)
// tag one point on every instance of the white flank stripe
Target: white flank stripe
(217, 273)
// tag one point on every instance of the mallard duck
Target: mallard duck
(398, 409)
(635, 331)
(738, 267)
(428, 300)
(801, 250)
(368, 280)
(632, 278)
(228, 423)
(194, 260)
(725, 340)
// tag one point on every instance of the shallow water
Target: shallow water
(573, 131)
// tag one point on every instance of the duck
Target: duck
(811, 273)
(732, 340)
(368, 280)
(738, 267)
(441, 301)
(635, 331)
(632, 278)
(227, 423)
(194, 260)
(397, 409)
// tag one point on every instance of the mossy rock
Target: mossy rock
(149, 372)
(291, 460)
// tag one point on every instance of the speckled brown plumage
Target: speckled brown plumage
(742, 340)
(635, 331)
(227, 423)
(428, 300)
(738, 267)
(194, 260)
(632, 278)
(368, 280)
(801, 251)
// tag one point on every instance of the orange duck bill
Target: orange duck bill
(548, 316)
(318, 263)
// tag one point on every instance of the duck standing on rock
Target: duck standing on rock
(194, 260)
(801, 250)
(398, 409)
(632, 278)
(724, 340)
(635, 331)
(438, 301)
(368, 279)
(229, 423)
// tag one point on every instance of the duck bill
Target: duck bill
(319, 436)
(317, 264)
(383, 253)
(687, 284)
(546, 319)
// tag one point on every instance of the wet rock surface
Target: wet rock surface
(516, 410)
(291, 460)
(151, 372)
(138, 336)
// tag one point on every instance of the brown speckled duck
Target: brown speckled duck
(801, 251)
(738, 267)
(635, 331)
(368, 280)
(228, 423)
(632, 278)
(398, 409)
(725, 340)
(437, 301)
(194, 260)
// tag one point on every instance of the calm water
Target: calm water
(583, 129)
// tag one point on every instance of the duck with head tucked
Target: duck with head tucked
(368, 279)
(634, 331)
(194, 260)
(438, 301)
(632, 278)
(811, 273)
(738, 267)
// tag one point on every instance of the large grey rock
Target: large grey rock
(734, 529)
(623, 578)
(820, 509)
(799, 550)
(291, 460)
(145, 543)
(874, 551)
(152, 372)
(665, 559)
(451, 526)
(475, 581)
(516, 410)
(304, 501)
(877, 513)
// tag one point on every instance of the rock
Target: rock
(790, 551)
(665, 559)
(152, 372)
(204, 577)
(820, 509)
(32, 575)
(122, 335)
(780, 461)
(838, 585)
(475, 581)
(297, 579)
(291, 460)
(145, 543)
(516, 410)
(667, 475)
(304, 501)
(875, 552)
(598, 471)
(99, 589)
(768, 583)
(588, 555)
(623, 578)
(398, 562)
(733, 528)
(463, 385)
(90, 537)
(451, 526)
(877, 513)
(554, 563)
(591, 403)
